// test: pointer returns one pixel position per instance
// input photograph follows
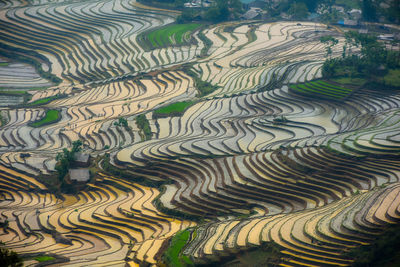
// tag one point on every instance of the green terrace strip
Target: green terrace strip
(43, 101)
(44, 258)
(52, 116)
(323, 89)
(172, 35)
(392, 78)
(174, 109)
(12, 92)
(172, 255)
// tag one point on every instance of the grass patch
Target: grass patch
(52, 116)
(44, 258)
(392, 78)
(173, 109)
(176, 34)
(172, 254)
(4, 64)
(350, 81)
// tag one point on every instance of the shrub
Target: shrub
(10, 258)
(144, 125)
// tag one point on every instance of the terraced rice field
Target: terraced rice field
(19, 76)
(322, 89)
(172, 35)
(274, 154)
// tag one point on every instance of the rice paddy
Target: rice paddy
(206, 142)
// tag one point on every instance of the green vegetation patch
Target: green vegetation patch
(10, 258)
(44, 101)
(267, 254)
(144, 126)
(349, 4)
(44, 258)
(176, 34)
(392, 78)
(350, 81)
(207, 43)
(52, 116)
(173, 109)
(204, 87)
(324, 89)
(172, 255)
(384, 251)
(12, 92)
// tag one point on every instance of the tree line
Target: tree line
(372, 62)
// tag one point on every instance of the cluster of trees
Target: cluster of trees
(122, 122)
(372, 10)
(220, 10)
(144, 125)
(223, 10)
(373, 61)
(384, 251)
(66, 158)
(9, 258)
(298, 9)
(330, 42)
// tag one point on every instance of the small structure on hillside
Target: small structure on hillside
(348, 23)
(81, 175)
(338, 8)
(252, 13)
(386, 37)
(81, 159)
(355, 14)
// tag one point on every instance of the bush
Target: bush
(144, 126)
(385, 251)
(10, 258)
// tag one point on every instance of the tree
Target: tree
(369, 10)
(394, 11)
(372, 63)
(330, 42)
(65, 159)
(330, 17)
(223, 10)
(9, 258)
(298, 10)
(186, 16)
(121, 122)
